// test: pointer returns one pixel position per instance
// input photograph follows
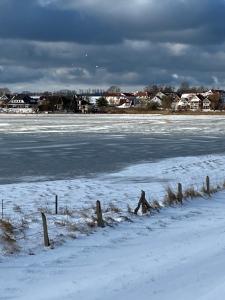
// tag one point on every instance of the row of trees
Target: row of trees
(184, 87)
(4, 91)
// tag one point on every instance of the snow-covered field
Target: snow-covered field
(176, 254)
(76, 198)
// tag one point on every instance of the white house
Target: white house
(188, 96)
(182, 104)
(22, 104)
(196, 102)
(158, 98)
(206, 104)
(113, 98)
(4, 98)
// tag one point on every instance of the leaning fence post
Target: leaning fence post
(143, 203)
(180, 193)
(56, 204)
(100, 221)
(207, 185)
(45, 229)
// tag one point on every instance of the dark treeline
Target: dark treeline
(184, 87)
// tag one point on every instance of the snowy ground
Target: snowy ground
(24, 201)
(177, 254)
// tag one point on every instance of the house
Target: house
(113, 98)
(50, 103)
(206, 104)
(93, 99)
(188, 96)
(142, 95)
(22, 104)
(125, 105)
(181, 105)
(84, 106)
(4, 99)
(158, 98)
(196, 102)
(174, 96)
(208, 93)
(142, 98)
(128, 99)
(117, 99)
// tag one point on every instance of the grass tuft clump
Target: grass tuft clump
(191, 193)
(155, 205)
(7, 237)
(113, 208)
(170, 197)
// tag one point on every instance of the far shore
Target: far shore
(161, 112)
(119, 111)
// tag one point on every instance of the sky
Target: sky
(72, 44)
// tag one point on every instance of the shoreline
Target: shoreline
(162, 112)
(131, 111)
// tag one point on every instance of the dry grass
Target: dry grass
(212, 190)
(92, 222)
(6, 226)
(22, 226)
(66, 212)
(84, 213)
(113, 208)
(170, 197)
(155, 205)
(110, 221)
(191, 193)
(8, 237)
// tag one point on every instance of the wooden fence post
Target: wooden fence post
(56, 204)
(2, 209)
(143, 203)
(207, 185)
(180, 193)
(100, 221)
(45, 230)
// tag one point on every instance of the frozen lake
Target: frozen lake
(52, 147)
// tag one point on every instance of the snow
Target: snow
(178, 253)
(77, 197)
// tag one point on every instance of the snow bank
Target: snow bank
(177, 254)
(23, 202)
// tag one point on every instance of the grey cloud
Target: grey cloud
(74, 42)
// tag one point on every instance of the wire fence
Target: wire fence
(28, 225)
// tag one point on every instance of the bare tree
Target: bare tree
(114, 89)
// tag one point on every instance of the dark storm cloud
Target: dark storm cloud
(98, 42)
(85, 22)
(27, 20)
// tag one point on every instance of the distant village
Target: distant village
(150, 99)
